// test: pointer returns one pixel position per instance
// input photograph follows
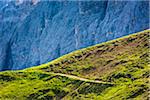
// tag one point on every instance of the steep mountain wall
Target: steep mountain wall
(32, 34)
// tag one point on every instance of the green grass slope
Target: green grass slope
(115, 70)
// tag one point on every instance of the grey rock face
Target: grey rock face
(33, 34)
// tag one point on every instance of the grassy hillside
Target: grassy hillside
(115, 70)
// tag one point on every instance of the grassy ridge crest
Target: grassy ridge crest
(114, 70)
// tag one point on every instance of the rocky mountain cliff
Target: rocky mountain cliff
(35, 33)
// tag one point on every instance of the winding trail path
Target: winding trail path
(81, 79)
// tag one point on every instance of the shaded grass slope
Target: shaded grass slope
(86, 74)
